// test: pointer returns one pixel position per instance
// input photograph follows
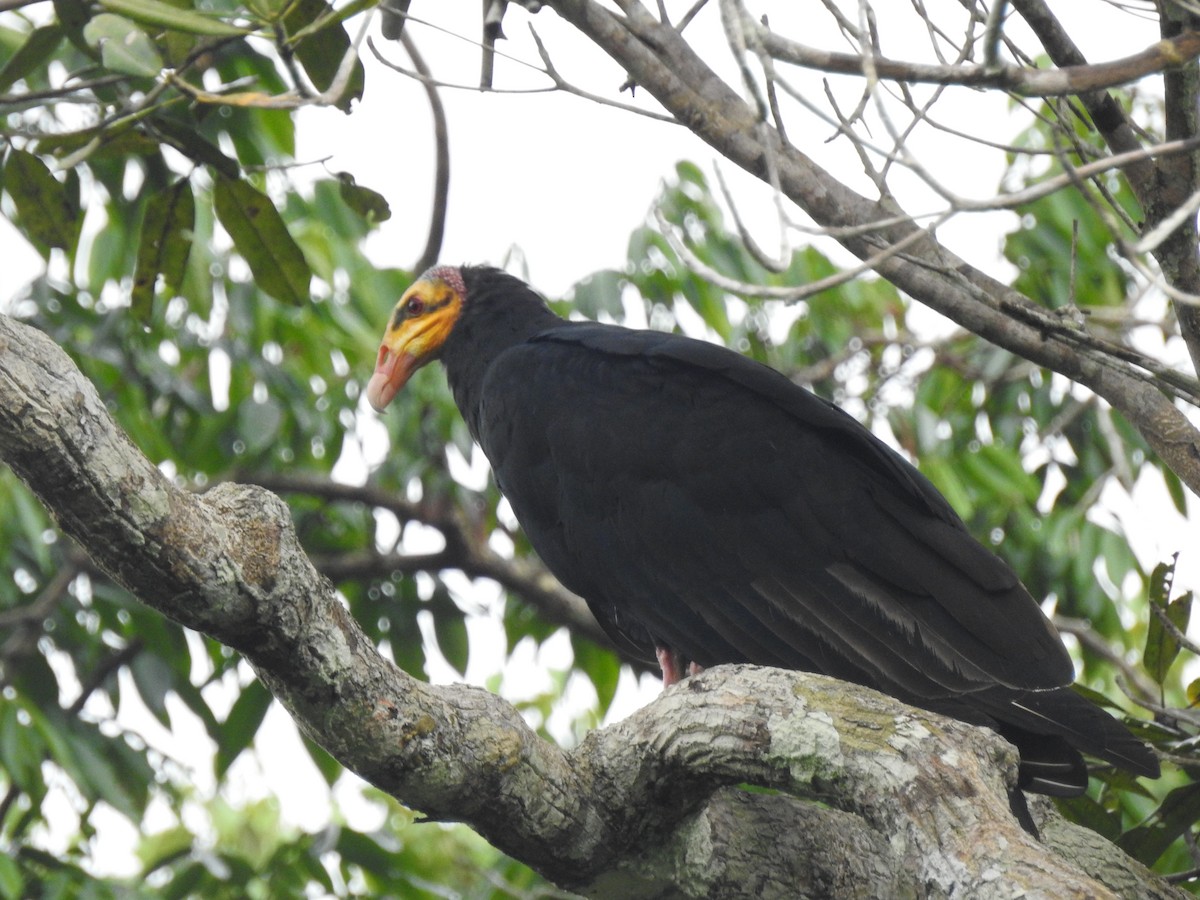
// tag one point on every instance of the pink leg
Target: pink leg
(670, 664)
(673, 666)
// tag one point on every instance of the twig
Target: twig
(44, 602)
(690, 14)
(106, 668)
(62, 93)
(993, 31)
(1160, 232)
(790, 293)
(562, 84)
(334, 95)
(1058, 182)
(760, 255)
(441, 179)
(1087, 636)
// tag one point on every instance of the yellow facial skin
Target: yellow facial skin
(420, 324)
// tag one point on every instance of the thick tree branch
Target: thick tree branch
(660, 61)
(916, 802)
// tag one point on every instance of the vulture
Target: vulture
(710, 511)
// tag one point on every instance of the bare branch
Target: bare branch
(559, 83)
(1070, 80)
(441, 178)
(1097, 644)
(789, 293)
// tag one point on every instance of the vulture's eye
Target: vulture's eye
(415, 306)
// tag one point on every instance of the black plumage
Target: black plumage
(705, 505)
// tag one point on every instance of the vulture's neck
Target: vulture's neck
(499, 312)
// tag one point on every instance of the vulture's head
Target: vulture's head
(418, 328)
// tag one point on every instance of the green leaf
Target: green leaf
(601, 666)
(101, 779)
(166, 242)
(259, 423)
(161, 848)
(998, 471)
(241, 725)
(25, 512)
(21, 752)
(153, 678)
(369, 204)
(521, 620)
(195, 146)
(1161, 646)
(1179, 612)
(11, 40)
(74, 15)
(321, 51)
(450, 629)
(123, 46)
(599, 293)
(163, 15)
(1176, 490)
(36, 51)
(947, 479)
(44, 206)
(12, 882)
(1179, 813)
(1085, 811)
(262, 238)
(331, 770)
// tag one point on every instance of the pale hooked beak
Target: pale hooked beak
(391, 372)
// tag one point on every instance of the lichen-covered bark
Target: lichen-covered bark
(911, 804)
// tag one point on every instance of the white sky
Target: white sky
(566, 181)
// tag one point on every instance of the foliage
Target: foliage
(223, 307)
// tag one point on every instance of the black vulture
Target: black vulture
(711, 511)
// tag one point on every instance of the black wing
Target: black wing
(701, 501)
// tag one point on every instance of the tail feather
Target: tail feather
(1052, 728)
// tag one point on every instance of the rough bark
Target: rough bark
(911, 804)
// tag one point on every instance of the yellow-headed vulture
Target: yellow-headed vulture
(711, 511)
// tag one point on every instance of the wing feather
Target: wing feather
(702, 501)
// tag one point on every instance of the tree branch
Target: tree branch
(1027, 82)
(1177, 179)
(441, 177)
